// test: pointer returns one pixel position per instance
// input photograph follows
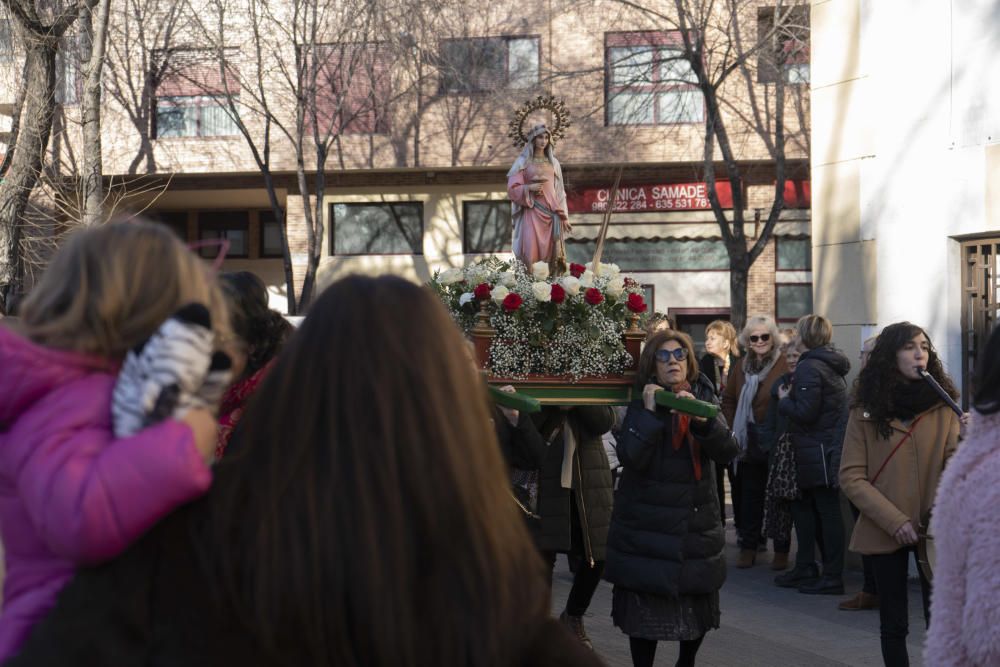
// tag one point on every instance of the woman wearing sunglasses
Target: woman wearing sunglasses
(745, 402)
(665, 544)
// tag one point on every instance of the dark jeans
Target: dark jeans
(869, 586)
(585, 578)
(819, 506)
(891, 577)
(753, 484)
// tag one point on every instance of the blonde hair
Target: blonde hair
(814, 331)
(110, 287)
(765, 321)
(725, 329)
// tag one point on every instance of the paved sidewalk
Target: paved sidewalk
(762, 625)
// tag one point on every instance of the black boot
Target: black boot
(825, 586)
(797, 576)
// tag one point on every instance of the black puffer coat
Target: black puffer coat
(817, 413)
(666, 534)
(592, 484)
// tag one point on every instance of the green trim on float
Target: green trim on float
(515, 400)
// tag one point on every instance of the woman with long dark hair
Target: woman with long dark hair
(361, 518)
(666, 542)
(899, 436)
(966, 599)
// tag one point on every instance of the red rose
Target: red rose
(593, 296)
(482, 291)
(512, 302)
(558, 293)
(576, 270)
(636, 303)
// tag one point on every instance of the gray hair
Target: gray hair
(755, 321)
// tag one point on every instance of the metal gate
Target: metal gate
(980, 308)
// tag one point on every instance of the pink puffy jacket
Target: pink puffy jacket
(70, 493)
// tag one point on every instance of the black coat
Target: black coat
(710, 369)
(666, 535)
(153, 607)
(774, 425)
(521, 444)
(817, 415)
(591, 486)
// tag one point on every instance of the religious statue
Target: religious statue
(538, 197)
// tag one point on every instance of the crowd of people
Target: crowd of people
(348, 494)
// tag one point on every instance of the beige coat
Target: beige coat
(905, 489)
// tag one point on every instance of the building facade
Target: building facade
(416, 116)
(906, 164)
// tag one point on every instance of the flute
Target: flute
(940, 391)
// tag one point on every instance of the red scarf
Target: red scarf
(682, 433)
(231, 408)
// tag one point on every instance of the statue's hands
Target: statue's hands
(535, 187)
(565, 223)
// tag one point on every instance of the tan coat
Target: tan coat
(737, 378)
(905, 489)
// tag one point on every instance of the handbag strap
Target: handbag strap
(896, 448)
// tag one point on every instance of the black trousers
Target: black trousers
(753, 485)
(585, 578)
(891, 577)
(869, 586)
(817, 512)
(721, 470)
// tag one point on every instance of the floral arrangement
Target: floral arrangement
(567, 326)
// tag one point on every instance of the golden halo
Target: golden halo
(515, 129)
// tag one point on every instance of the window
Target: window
(352, 88)
(68, 71)
(792, 301)
(270, 235)
(377, 229)
(788, 50)
(6, 41)
(175, 220)
(190, 98)
(230, 225)
(487, 226)
(650, 82)
(793, 254)
(488, 63)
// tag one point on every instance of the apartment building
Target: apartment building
(416, 109)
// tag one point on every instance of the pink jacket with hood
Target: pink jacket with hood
(70, 493)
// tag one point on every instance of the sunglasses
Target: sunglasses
(680, 354)
(763, 338)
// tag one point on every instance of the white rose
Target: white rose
(587, 279)
(540, 270)
(616, 287)
(508, 278)
(465, 298)
(451, 276)
(542, 291)
(611, 269)
(499, 293)
(571, 285)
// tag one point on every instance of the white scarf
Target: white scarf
(744, 409)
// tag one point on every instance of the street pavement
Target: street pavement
(762, 625)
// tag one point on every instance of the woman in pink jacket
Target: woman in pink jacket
(71, 493)
(965, 602)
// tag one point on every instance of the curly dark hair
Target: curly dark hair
(263, 331)
(876, 386)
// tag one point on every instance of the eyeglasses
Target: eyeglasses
(763, 338)
(680, 354)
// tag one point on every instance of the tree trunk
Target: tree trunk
(739, 273)
(93, 166)
(26, 165)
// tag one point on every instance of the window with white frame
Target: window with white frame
(489, 63)
(650, 81)
(192, 96)
(784, 35)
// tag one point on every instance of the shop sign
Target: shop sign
(657, 197)
(654, 255)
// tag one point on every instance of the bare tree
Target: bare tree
(744, 60)
(41, 26)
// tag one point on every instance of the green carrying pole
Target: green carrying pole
(515, 400)
(688, 406)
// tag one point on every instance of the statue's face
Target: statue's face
(541, 141)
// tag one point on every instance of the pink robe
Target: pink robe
(533, 236)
